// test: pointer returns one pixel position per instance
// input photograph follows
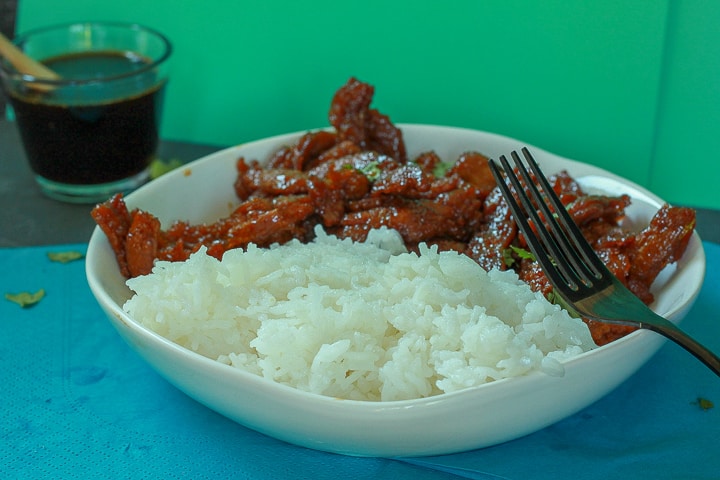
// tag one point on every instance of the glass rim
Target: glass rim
(19, 39)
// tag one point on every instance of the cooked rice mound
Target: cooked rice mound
(358, 320)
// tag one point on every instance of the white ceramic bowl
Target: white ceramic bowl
(477, 417)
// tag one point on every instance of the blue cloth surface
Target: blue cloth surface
(78, 403)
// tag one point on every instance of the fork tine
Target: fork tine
(555, 247)
(543, 245)
(553, 237)
(583, 257)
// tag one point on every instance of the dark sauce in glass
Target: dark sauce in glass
(92, 140)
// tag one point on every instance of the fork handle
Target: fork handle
(673, 332)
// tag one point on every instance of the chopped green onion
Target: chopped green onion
(442, 168)
(372, 171)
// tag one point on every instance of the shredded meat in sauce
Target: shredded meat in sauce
(357, 177)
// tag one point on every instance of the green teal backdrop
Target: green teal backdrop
(631, 86)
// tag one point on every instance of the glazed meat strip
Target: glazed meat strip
(663, 242)
(308, 148)
(354, 120)
(358, 177)
(490, 243)
(113, 217)
(450, 216)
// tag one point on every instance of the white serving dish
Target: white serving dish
(477, 417)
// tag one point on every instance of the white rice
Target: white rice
(363, 321)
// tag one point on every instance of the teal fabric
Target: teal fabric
(77, 402)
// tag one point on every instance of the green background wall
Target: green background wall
(631, 86)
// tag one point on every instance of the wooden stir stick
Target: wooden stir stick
(25, 64)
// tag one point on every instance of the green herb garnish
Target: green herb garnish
(521, 253)
(704, 403)
(442, 168)
(556, 299)
(160, 167)
(26, 299)
(508, 258)
(372, 171)
(65, 257)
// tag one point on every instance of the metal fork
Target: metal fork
(570, 263)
